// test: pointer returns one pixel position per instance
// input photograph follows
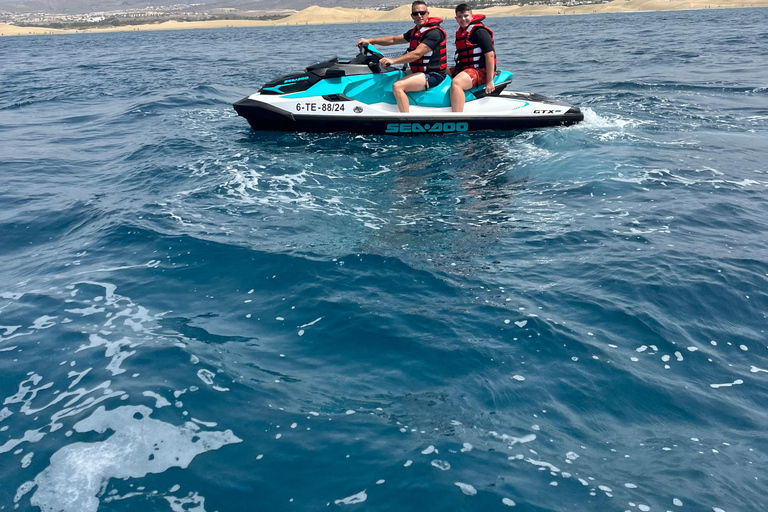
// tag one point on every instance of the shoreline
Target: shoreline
(315, 15)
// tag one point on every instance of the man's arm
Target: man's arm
(383, 41)
(483, 38)
(490, 72)
(416, 54)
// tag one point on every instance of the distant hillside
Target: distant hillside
(87, 6)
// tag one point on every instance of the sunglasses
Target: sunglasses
(419, 13)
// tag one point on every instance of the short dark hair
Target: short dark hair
(463, 8)
(418, 2)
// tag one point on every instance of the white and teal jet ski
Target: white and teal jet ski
(356, 96)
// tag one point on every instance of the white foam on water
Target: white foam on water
(351, 500)
(139, 446)
(9, 329)
(113, 496)
(466, 447)
(159, 400)
(466, 488)
(429, 449)
(441, 465)
(206, 376)
(113, 351)
(543, 464)
(728, 384)
(81, 401)
(190, 503)
(508, 502)
(290, 192)
(209, 424)
(26, 460)
(22, 490)
(313, 322)
(44, 322)
(30, 436)
(512, 440)
(611, 128)
(91, 310)
(745, 182)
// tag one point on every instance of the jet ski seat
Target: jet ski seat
(440, 96)
(435, 97)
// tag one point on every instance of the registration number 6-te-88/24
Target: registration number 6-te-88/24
(426, 128)
(319, 107)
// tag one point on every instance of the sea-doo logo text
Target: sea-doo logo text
(289, 80)
(426, 128)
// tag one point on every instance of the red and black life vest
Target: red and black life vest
(437, 59)
(469, 55)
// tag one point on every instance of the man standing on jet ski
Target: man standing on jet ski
(475, 56)
(426, 54)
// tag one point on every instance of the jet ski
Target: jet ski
(356, 96)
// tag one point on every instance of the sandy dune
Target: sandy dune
(321, 15)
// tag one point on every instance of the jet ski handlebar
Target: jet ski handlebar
(370, 56)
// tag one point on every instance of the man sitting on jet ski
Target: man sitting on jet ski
(426, 54)
(475, 57)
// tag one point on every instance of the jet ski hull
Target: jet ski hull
(525, 112)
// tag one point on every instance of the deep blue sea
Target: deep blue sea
(198, 317)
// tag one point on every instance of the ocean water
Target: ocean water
(198, 317)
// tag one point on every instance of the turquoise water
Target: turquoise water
(195, 316)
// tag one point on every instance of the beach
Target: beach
(315, 15)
